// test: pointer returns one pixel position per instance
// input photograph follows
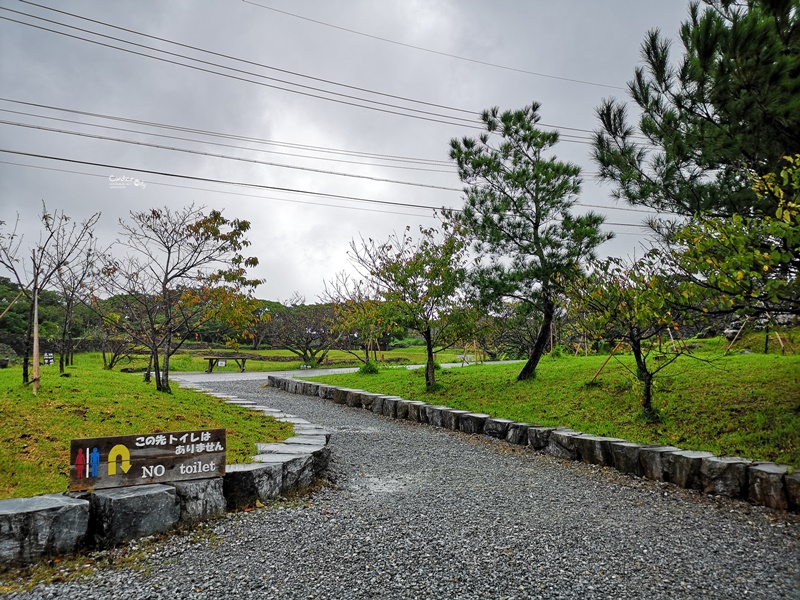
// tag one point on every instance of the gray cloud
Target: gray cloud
(301, 245)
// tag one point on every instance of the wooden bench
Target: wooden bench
(213, 361)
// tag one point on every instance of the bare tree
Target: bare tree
(61, 241)
(71, 284)
(179, 272)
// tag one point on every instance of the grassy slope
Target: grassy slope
(36, 430)
(747, 405)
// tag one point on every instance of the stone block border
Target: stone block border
(55, 524)
(762, 483)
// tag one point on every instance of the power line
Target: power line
(468, 122)
(254, 161)
(288, 200)
(227, 193)
(219, 181)
(472, 60)
(264, 66)
(321, 149)
(176, 137)
(249, 62)
(250, 185)
(234, 77)
(227, 157)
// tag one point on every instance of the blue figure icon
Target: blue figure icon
(94, 461)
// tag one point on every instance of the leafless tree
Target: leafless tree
(61, 241)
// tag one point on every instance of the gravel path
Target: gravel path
(416, 512)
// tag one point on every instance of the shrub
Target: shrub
(369, 368)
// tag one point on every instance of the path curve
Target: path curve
(417, 512)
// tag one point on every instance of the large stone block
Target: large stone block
(340, 395)
(200, 499)
(297, 470)
(766, 485)
(562, 443)
(31, 528)
(311, 388)
(243, 485)
(656, 461)
(539, 437)
(434, 415)
(518, 434)
(416, 410)
(377, 405)
(354, 398)
(367, 399)
(724, 476)
(401, 409)
(306, 439)
(626, 457)
(452, 418)
(313, 430)
(118, 515)
(389, 408)
(497, 428)
(685, 468)
(326, 392)
(473, 422)
(595, 449)
(320, 453)
(792, 482)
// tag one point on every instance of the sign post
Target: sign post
(97, 463)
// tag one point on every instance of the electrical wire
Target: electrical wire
(206, 142)
(226, 156)
(255, 185)
(224, 192)
(260, 197)
(472, 60)
(261, 65)
(243, 79)
(454, 120)
(321, 149)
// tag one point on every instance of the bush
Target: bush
(369, 368)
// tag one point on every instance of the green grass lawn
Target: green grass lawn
(741, 404)
(36, 430)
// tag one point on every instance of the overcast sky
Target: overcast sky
(567, 55)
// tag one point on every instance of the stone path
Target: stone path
(417, 512)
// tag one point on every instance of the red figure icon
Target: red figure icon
(80, 463)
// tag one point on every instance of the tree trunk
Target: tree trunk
(149, 368)
(65, 327)
(430, 371)
(26, 349)
(165, 367)
(646, 377)
(529, 370)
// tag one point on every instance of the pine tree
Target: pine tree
(728, 109)
(517, 212)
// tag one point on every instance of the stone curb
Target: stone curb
(761, 483)
(55, 524)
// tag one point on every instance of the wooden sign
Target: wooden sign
(97, 463)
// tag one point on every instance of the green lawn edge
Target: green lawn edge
(737, 405)
(91, 402)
